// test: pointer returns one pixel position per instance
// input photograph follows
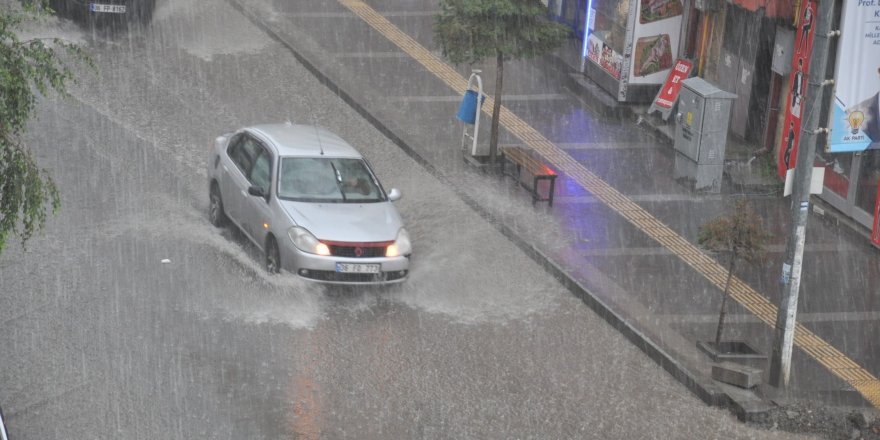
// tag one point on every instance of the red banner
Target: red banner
(875, 233)
(800, 70)
(669, 93)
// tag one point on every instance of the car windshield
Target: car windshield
(334, 180)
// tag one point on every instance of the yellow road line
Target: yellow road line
(825, 354)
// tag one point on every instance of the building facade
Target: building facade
(740, 46)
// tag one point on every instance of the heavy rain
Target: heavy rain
(585, 308)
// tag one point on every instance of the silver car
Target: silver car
(310, 202)
(3, 434)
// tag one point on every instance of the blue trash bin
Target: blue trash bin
(467, 111)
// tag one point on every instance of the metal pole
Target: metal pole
(780, 359)
(475, 75)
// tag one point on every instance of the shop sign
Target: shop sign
(603, 55)
(855, 124)
(656, 35)
(800, 71)
(668, 94)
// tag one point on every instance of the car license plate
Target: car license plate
(357, 268)
(113, 9)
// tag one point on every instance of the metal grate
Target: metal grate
(358, 250)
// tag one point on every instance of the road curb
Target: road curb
(701, 387)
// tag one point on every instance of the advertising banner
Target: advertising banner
(602, 54)
(656, 36)
(668, 94)
(800, 70)
(855, 125)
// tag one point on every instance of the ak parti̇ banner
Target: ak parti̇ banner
(800, 70)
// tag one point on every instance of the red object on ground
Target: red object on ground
(669, 92)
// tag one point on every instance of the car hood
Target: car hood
(353, 222)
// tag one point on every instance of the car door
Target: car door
(256, 209)
(230, 164)
(242, 154)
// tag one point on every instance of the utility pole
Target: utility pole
(783, 342)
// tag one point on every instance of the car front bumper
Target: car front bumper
(322, 269)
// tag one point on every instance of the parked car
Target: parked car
(95, 11)
(310, 202)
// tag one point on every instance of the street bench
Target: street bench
(534, 167)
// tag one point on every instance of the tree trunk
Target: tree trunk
(724, 302)
(496, 108)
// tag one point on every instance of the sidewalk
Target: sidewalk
(654, 294)
(743, 170)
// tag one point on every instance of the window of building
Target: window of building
(869, 178)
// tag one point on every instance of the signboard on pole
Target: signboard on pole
(668, 94)
(855, 124)
(794, 109)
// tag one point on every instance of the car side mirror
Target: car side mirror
(220, 142)
(394, 195)
(257, 191)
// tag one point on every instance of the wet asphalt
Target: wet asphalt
(102, 339)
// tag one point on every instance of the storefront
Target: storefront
(742, 46)
(852, 155)
(569, 12)
(852, 181)
(630, 45)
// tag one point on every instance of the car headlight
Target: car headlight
(306, 242)
(401, 245)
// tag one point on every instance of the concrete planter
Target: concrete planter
(735, 374)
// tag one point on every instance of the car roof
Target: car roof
(304, 140)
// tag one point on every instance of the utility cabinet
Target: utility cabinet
(701, 133)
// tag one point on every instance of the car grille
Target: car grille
(331, 276)
(358, 250)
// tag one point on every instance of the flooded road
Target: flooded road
(132, 317)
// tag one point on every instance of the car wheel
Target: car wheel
(273, 256)
(216, 214)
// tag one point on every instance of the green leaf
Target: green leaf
(471, 30)
(27, 68)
